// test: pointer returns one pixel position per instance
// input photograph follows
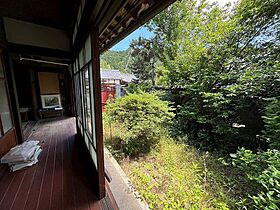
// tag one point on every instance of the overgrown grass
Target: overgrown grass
(175, 176)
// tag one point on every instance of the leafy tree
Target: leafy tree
(143, 55)
(272, 123)
(117, 59)
(217, 59)
(104, 64)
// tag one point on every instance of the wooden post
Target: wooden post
(98, 110)
(13, 97)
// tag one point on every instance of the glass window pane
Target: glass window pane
(80, 127)
(75, 67)
(74, 33)
(77, 96)
(82, 98)
(92, 105)
(79, 101)
(88, 49)
(5, 113)
(77, 64)
(79, 15)
(88, 107)
(93, 155)
(83, 5)
(81, 58)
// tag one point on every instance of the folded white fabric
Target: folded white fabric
(23, 155)
(18, 166)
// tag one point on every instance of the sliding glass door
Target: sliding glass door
(86, 110)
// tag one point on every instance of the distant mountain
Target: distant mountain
(117, 59)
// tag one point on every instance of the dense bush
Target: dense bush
(263, 168)
(140, 118)
(221, 64)
(272, 123)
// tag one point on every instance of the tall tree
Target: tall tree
(219, 57)
(142, 58)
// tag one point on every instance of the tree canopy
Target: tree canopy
(224, 62)
(117, 60)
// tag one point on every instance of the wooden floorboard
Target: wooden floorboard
(58, 180)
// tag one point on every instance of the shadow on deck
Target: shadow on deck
(59, 180)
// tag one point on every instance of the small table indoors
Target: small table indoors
(50, 112)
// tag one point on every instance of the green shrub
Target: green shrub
(140, 118)
(272, 123)
(263, 169)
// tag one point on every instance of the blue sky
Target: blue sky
(124, 44)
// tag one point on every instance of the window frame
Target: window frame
(4, 79)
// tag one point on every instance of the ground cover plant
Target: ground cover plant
(174, 176)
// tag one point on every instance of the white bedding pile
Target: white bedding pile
(23, 155)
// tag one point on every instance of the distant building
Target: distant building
(113, 76)
(113, 83)
(110, 76)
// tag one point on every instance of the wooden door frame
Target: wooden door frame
(12, 95)
(98, 110)
(9, 139)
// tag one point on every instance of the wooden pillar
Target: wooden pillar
(33, 88)
(13, 97)
(98, 110)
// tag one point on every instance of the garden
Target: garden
(204, 131)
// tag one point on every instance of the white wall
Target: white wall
(21, 32)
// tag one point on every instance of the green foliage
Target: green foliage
(221, 64)
(117, 60)
(142, 54)
(138, 88)
(263, 168)
(104, 64)
(141, 117)
(174, 176)
(272, 123)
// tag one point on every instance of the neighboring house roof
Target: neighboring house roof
(128, 77)
(110, 74)
(117, 75)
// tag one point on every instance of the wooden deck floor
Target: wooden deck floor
(58, 181)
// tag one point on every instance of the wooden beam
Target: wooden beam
(113, 13)
(84, 27)
(12, 92)
(124, 19)
(98, 111)
(144, 17)
(38, 51)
